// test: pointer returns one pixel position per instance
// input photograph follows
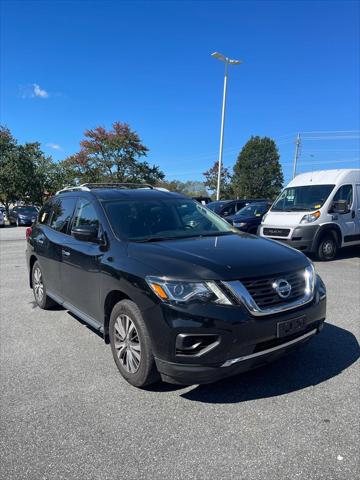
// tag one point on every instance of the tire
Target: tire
(327, 247)
(39, 288)
(131, 345)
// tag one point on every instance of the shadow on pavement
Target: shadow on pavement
(324, 357)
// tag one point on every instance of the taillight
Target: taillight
(28, 232)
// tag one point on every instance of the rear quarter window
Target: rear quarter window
(44, 214)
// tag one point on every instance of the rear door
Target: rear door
(52, 234)
(80, 269)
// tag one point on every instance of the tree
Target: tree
(26, 174)
(211, 179)
(257, 171)
(113, 155)
(192, 188)
(8, 157)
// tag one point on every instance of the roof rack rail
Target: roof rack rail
(117, 185)
(87, 187)
(70, 188)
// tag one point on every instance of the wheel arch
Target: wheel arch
(32, 260)
(112, 298)
(332, 228)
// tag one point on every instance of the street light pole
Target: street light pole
(296, 154)
(227, 61)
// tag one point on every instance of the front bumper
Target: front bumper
(201, 374)
(25, 221)
(243, 342)
(301, 237)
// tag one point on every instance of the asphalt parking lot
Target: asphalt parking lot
(66, 413)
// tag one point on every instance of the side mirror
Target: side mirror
(340, 206)
(86, 233)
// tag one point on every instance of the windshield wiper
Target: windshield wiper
(154, 239)
(180, 237)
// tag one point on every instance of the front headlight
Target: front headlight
(310, 277)
(310, 217)
(179, 291)
(240, 224)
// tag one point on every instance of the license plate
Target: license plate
(290, 327)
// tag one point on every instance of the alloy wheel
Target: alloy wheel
(127, 343)
(38, 285)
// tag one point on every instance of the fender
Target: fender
(327, 227)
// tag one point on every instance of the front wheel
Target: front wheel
(131, 345)
(327, 248)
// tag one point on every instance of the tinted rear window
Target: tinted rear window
(62, 212)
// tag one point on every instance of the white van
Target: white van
(318, 212)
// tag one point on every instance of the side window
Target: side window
(85, 214)
(62, 212)
(228, 210)
(44, 214)
(345, 192)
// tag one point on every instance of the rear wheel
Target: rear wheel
(131, 345)
(39, 288)
(327, 247)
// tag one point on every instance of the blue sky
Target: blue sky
(68, 66)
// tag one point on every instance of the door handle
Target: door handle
(65, 253)
(40, 240)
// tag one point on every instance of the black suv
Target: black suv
(177, 291)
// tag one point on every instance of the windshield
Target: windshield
(216, 206)
(253, 210)
(163, 219)
(304, 198)
(27, 210)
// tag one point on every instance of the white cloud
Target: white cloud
(39, 92)
(54, 146)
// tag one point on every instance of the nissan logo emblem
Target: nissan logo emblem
(282, 287)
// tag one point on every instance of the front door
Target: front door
(80, 268)
(346, 221)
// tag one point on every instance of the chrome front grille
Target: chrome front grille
(261, 295)
(264, 293)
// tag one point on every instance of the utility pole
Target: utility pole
(227, 61)
(297, 153)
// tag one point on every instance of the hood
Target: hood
(242, 218)
(288, 219)
(226, 257)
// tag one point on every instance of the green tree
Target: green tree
(257, 171)
(113, 155)
(26, 174)
(211, 179)
(192, 188)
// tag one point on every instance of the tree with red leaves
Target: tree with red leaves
(113, 155)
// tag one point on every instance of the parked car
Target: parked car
(2, 217)
(202, 200)
(249, 218)
(178, 292)
(318, 213)
(24, 215)
(226, 208)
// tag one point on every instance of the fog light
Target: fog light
(195, 344)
